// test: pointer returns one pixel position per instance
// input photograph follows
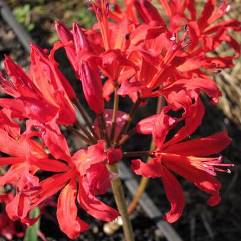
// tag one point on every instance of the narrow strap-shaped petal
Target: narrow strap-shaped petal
(206, 13)
(49, 165)
(149, 13)
(166, 7)
(50, 186)
(173, 189)
(174, 194)
(11, 160)
(227, 24)
(26, 107)
(192, 8)
(63, 32)
(197, 173)
(204, 146)
(94, 206)
(69, 223)
(20, 80)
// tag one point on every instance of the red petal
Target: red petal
(66, 39)
(151, 169)
(69, 223)
(201, 146)
(49, 187)
(98, 178)
(174, 194)
(149, 13)
(18, 208)
(94, 206)
(49, 165)
(84, 158)
(11, 160)
(10, 146)
(92, 86)
(166, 7)
(80, 40)
(54, 140)
(195, 173)
(193, 118)
(206, 13)
(161, 128)
(64, 34)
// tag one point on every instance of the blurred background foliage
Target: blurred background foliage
(39, 15)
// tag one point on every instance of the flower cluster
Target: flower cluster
(131, 52)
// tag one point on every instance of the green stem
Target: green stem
(121, 204)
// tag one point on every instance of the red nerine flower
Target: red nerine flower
(187, 158)
(42, 95)
(79, 177)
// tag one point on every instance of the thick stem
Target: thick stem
(121, 204)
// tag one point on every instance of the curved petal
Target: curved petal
(94, 206)
(196, 172)
(193, 115)
(174, 194)
(151, 169)
(98, 178)
(69, 223)
(50, 186)
(18, 208)
(211, 186)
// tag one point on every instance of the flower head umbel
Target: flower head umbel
(187, 158)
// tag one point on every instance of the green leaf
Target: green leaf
(32, 231)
